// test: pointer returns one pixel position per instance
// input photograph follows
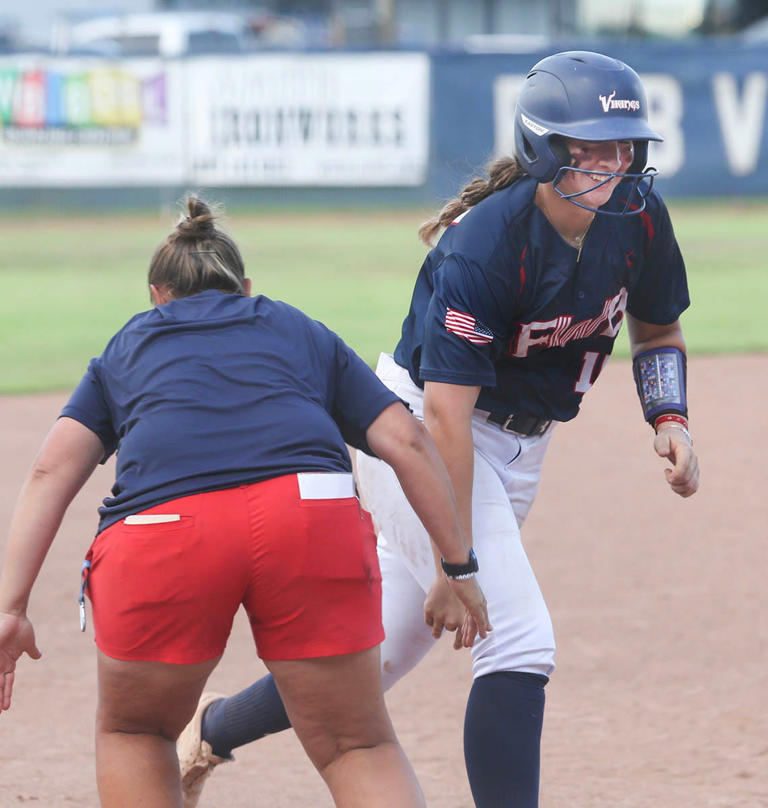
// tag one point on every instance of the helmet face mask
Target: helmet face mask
(640, 185)
(583, 96)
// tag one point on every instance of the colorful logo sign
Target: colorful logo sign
(100, 106)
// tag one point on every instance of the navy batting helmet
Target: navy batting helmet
(586, 96)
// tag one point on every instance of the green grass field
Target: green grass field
(70, 281)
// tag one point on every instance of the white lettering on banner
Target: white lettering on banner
(352, 119)
(560, 331)
(665, 115)
(284, 126)
(741, 119)
(61, 136)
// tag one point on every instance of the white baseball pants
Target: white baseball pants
(506, 478)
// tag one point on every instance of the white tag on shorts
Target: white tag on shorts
(325, 485)
(151, 518)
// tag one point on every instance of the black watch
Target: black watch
(460, 571)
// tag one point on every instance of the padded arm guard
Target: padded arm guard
(660, 376)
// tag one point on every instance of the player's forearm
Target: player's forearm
(427, 488)
(404, 443)
(66, 460)
(448, 412)
(38, 514)
(455, 444)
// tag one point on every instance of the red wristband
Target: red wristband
(678, 419)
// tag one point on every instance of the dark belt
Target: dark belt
(520, 423)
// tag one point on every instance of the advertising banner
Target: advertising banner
(309, 119)
(89, 122)
(413, 121)
(708, 101)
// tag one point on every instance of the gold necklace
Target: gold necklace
(578, 241)
(575, 241)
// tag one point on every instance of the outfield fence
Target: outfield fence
(412, 123)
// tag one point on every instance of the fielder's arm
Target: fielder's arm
(67, 458)
(402, 441)
(448, 417)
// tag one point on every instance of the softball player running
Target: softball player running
(513, 315)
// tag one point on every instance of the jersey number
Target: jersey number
(591, 366)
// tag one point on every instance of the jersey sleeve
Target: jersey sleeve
(359, 396)
(661, 294)
(88, 405)
(464, 324)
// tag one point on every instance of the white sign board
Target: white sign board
(90, 122)
(309, 119)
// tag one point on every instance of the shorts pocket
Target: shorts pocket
(148, 563)
(330, 503)
(147, 524)
(341, 543)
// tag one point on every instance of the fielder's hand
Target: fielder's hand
(16, 637)
(675, 444)
(476, 620)
(443, 610)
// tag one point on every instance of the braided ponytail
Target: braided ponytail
(196, 256)
(501, 173)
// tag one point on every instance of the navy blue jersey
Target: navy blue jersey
(504, 302)
(217, 390)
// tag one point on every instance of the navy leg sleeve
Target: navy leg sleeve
(502, 736)
(247, 716)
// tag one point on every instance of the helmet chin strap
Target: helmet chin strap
(629, 209)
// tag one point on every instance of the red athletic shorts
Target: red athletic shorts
(297, 551)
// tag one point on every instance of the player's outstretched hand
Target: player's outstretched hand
(443, 610)
(16, 637)
(675, 444)
(476, 621)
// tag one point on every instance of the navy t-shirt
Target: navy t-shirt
(217, 390)
(505, 303)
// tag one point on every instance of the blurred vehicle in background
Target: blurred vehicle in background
(170, 34)
(734, 17)
(179, 27)
(8, 33)
(757, 32)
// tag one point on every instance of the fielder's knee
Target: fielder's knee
(124, 725)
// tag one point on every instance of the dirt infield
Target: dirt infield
(659, 607)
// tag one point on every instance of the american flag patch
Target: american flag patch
(467, 327)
